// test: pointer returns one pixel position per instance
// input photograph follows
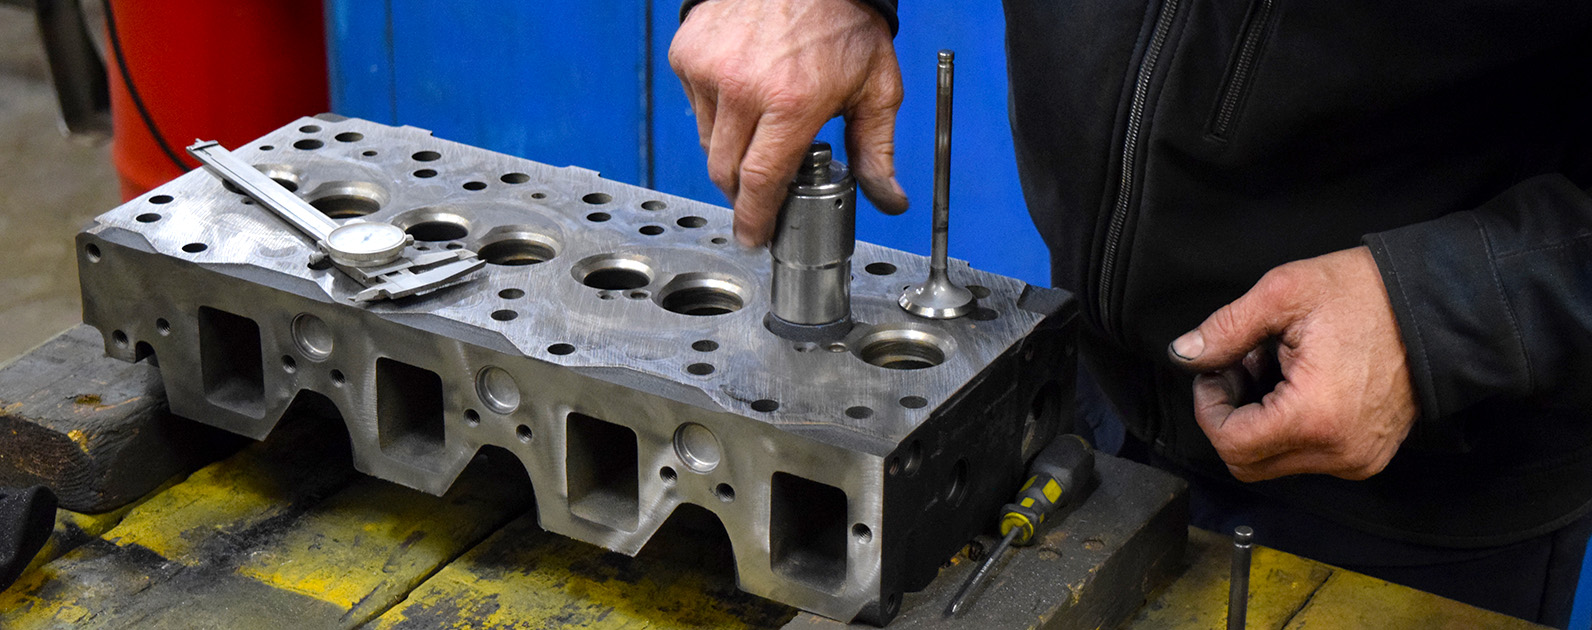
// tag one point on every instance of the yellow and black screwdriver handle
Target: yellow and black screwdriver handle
(1059, 475)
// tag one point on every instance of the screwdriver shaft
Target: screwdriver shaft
(982, 572)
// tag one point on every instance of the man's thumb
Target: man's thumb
(1232, 331)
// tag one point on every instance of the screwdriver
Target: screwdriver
(1059, 475)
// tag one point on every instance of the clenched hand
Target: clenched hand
(1344, 403)
(763, 77)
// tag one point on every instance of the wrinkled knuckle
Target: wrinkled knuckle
(756, 174)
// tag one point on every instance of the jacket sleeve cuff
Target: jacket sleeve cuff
(886, 8)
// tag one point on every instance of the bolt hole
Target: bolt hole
(455, 246)
(514, 178)
(653, 205)
(160, 199)
(511, 294)
(836, 347)
(651, 230)
(426, 156)
(266, 147)
(978, 291)
(349, 136)
(92, 251)
(880, 268)
(699, 369)
(561, 349)
(308, 144)
(425, 173)
(958, 485)
(718, 240)
(505, 315)
(861, 532)
(668, 475)
(368, 153)
(338, 379)
(475, 185)
(472, 417)
(163, 327)
(691, 222)
(804, 346)
(147, 217)
(194, 248)
(705, 345)
(310, 128)
(288, 364)
(765, 405)
(524, 433)
(914, 402)
(598, 217)
(597, 198)
(724, 492)
(638, 295)
(120, 338)
(859, 412)
(539, 195)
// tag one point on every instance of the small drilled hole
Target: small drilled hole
(120, 338)
(978, 291)
(426, 156)
(425, 173)
(289, 365)
(540, 195)
(472, 417)
(638, 295)
(160, 199)
(162, 326)
(338, 379)
(724, 492)
(147, 217)
(862, 532)
(691, 222)
(524, 433)
(651, 230)
(668, 475)
(597, 198)
(653, 205)
(511, 294)
(560, 349)
(880, 268)
(765, 405)
(349, 136)
(705, 345)
(914, 402)
(461, 246)
(859, 412)
(194, 248)
(514, 178)
(505, 315)
(310, 128)
(308, 144)
(266, 147)
(598, 217)
(92, 251)
(699, 369)
(475, 185)
(718, 240)
(368, 153)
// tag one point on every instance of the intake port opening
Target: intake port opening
(614, 272)
(409, 419)
(807, 531)
(701, 294)
(902, 347)
(346, 200)
(231, 362)
(602, 472)
(517, 246)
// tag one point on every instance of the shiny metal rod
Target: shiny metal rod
(1238, 593)
(938, 297)
(983, 572)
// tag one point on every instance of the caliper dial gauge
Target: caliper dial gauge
(365, 244)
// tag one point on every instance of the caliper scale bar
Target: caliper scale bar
(376, 255)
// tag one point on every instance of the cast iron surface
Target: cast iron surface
(614, 343)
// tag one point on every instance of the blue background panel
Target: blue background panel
(588, 83)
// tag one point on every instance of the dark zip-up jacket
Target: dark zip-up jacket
(1173, 151)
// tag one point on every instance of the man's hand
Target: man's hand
(764, 76)
(1344, 403)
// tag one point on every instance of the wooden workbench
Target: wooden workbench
(284, 534)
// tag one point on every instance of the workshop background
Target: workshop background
(583, 83)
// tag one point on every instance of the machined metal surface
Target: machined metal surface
(614, 343)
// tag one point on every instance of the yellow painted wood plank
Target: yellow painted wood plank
(1280, 584)
(523, 577)
(1351, 601)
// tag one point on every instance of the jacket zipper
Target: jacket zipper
(1238, 76)
(1130, 156)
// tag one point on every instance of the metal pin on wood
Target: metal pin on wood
(938, 297)
(1238, 593)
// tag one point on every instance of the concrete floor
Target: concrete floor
(50, 186)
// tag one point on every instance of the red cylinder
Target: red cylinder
(228, 71)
